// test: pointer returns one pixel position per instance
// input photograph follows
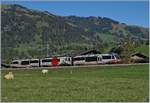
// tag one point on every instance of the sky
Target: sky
(129, 12)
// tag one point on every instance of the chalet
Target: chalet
(139, 58)
(78, 53)
(89, 52)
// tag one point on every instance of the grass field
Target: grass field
(124, 83)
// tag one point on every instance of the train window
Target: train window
(88, 59)
(106, 57)
(46, 60)
(34, 61)
(16, 62)
(79, 58)
(25, 63)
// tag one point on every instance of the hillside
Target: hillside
(30, 33)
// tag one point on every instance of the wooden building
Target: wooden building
(139, 58)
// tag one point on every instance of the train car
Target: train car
(87, 59)
(96, 59)
(53, 61)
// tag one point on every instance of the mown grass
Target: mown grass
(124, 83)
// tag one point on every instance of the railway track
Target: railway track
(81, 66)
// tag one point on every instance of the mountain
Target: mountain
(28, 33)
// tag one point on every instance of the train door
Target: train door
(99, 59)
(69, 61)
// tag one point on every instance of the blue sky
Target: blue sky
(132, 13)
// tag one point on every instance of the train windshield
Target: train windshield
(117, 57)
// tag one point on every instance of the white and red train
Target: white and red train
(91, 59)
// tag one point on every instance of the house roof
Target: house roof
(139, 55)
(77, 53)
(89, 52)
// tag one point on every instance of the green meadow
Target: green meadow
(89, 84)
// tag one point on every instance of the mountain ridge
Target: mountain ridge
(28, 33)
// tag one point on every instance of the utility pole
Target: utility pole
(47, 45)
(47, 48)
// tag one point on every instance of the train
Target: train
(90, 59)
